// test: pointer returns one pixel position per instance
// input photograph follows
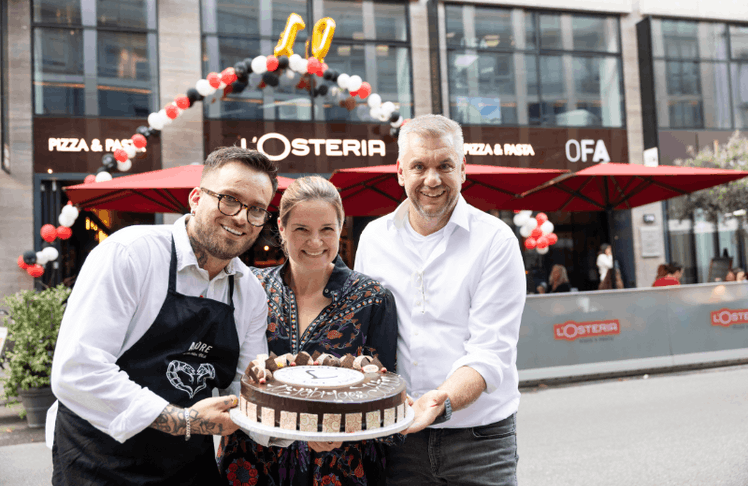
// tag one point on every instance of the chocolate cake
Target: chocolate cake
(302, 394)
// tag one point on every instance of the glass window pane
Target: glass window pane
(681, 39)
(739, 42)
(740, 94)
(389, 77)
(678, 94)
(366, 20)
(58, 51)
(550, 31)
(131, 102)
(715, 87)
(123, 56)
(482, 88)
(64, 12)
(489, 28)
(287, 101)
(455, 28)
(122, 13)
(592, 33)
(254, 18)
(60, 99)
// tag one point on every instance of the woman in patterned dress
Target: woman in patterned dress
(316, 303)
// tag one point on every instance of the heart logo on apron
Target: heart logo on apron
(198, 378)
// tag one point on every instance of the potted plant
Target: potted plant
(33, 324)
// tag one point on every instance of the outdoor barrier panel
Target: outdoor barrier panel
(602, 332)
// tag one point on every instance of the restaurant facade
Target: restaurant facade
(534, 85)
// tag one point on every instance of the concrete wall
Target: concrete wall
(16, 189)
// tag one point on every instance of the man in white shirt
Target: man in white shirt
(459, 283)
(158, 318)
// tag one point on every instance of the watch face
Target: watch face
(313, 376)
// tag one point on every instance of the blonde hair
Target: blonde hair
(561, 275)
(431, 126)
(310, 188)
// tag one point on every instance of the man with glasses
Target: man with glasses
(459, 283)
(159, 317)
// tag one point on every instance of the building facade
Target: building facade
(540, 83)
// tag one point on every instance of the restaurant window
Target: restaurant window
(371, 40)
(509, 66)
(701, 74)
(95, 57)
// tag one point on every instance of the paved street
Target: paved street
(678, 429)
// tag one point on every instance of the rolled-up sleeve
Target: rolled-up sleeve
(495, 314)
(85, 376)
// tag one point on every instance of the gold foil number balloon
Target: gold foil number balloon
(288, 36)
(322, 34)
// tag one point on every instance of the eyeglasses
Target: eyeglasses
(231, 206)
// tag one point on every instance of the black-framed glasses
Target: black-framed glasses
(231, 206)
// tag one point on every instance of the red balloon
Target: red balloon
(542, 242)
(214, 79)
(272, 63)
(35, 270)
(21, 264)
(536, 233)
(63, 232)
(364, 91)
(182, 102)
(139, 140)
(89, 179)
(171, 111)
(120, 155)
(542, 218)
(530, 243)
(324, 68)
(228, 75)
(49, 233)
(313, 65)
(227, 90)
(552, 238)
(354, 93)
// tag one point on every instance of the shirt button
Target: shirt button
(415, 333)
(418, 302)
(415, 363)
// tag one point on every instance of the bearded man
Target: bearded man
(159, 317)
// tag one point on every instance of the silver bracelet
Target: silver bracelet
(187, 421)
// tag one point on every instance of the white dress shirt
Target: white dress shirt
(117, 296)
(461, 305)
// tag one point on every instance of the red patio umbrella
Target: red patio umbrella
(374, 191)
(158, 191)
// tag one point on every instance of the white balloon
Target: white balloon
(164, 118)
(69, 211)
(546, 228)
(528, 212)
(343, 79)
(374, 100)
(303, 66)
(254, 80)
(66, 220)
(259, 64)
(383, 116)
(290, 74)
(375, 113)
(542, 251)
(204, 88)
(525, 231)
(155, 122)
(532, 223)
(293, 61)
(398, 123)
(51, 253)
(131, 151)
(354, 83)
(388, 107)
(521, 218)
(103, 176)
(41, 258)
(124, 166)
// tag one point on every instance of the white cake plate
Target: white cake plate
(248, 426)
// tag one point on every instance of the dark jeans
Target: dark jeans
(485, 455)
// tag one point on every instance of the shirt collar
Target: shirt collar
(459, 217)
(186, 256)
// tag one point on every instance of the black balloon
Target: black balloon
(240, 69)
(328, 75)
(29, 257)
(194, 96)
(394, 132)
(322, 89)
(238, 87)
(102, 169)
(270, 79)
(143, 130)
(248, 64)
(282, 62)
(395, 116)
(334, 77)
(108, 162)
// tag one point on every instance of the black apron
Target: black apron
(191, 348)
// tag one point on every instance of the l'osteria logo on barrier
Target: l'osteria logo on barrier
(570, 330)
(729, 317)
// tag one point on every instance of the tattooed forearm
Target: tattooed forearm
(210, 420)
(171, 421)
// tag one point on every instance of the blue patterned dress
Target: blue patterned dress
(362, 319)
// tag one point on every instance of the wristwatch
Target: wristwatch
(446, 415)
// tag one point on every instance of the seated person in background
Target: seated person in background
(559, 279)
(672, 277)
(661, 270)
(731, 276)
(739, 275)
(612, 280)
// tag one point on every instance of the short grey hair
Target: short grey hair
(431, 126)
